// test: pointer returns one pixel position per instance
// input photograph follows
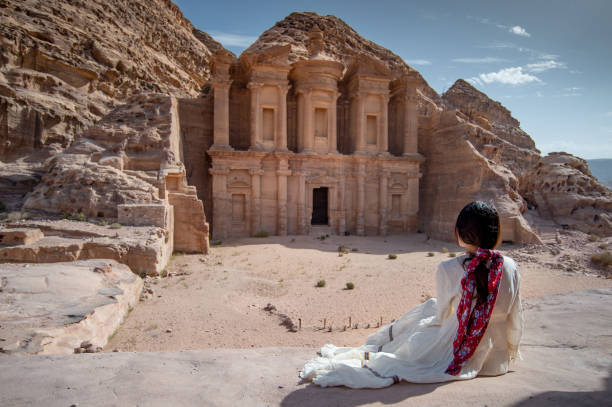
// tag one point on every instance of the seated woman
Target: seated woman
(473, 327)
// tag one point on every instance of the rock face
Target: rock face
(64, 65)
(516, 150)
(561, 186)
(128, 166)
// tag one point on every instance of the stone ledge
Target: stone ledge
(52, 308)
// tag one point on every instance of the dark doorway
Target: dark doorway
(319, 206)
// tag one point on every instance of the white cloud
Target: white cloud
(507, 76)
(545, 66)
(609, 114)
(573, 89)
(548, 56)
(417, 62)
(484, 60)
(539, 94)
(233, 40)
(518, 30)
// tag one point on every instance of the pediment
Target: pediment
(238, 181)
(275, 55)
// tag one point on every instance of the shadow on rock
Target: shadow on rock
(314, 395)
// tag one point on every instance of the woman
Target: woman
(473, 327)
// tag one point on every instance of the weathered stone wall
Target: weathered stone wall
(455, 174)
(196, 127)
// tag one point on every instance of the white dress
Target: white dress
(419, 347)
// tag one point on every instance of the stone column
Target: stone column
(281, 134)
(255, 124)
(308, 119)
(383, 126)
(361, 174)
(341, 211)
(383, 202)
(360, 125)
(221, 205)
(301, 202)
(256, 174)
(281, 196)
(411, 125)
(333, 125)
(221, 114)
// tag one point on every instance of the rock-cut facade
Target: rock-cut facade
(313, 143)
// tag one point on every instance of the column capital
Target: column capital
(299, 173)
(256, 171)
(282, 172)
(254, 85)
(410, 98)
(284, 87)
(220, 83)
(385, 174)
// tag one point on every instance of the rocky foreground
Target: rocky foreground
(566, 361)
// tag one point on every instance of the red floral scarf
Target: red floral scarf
(472, 325)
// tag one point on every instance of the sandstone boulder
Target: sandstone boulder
(73, 184)
(561, 187)
(54, 308)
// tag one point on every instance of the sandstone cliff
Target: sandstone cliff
(65, 64)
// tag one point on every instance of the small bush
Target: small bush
(444, 250)
(76, 216)
(603, 246)
(451, 254)
(321, 283)
(103, 223)
(15, 216)
(343, 249)
(261, 233)
(593, 238)
(430, 254)
(354, 249)
(602, 259)
(115, 226)
(392, 256)
(350, 286)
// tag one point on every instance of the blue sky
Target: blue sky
(548, 61)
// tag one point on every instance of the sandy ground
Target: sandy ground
(218, 301)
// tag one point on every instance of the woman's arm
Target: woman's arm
(443, 293)
(514, 326)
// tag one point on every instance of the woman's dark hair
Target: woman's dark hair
(478, 225)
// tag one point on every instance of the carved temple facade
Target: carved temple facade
(312, 142)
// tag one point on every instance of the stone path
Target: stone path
(567, 352)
